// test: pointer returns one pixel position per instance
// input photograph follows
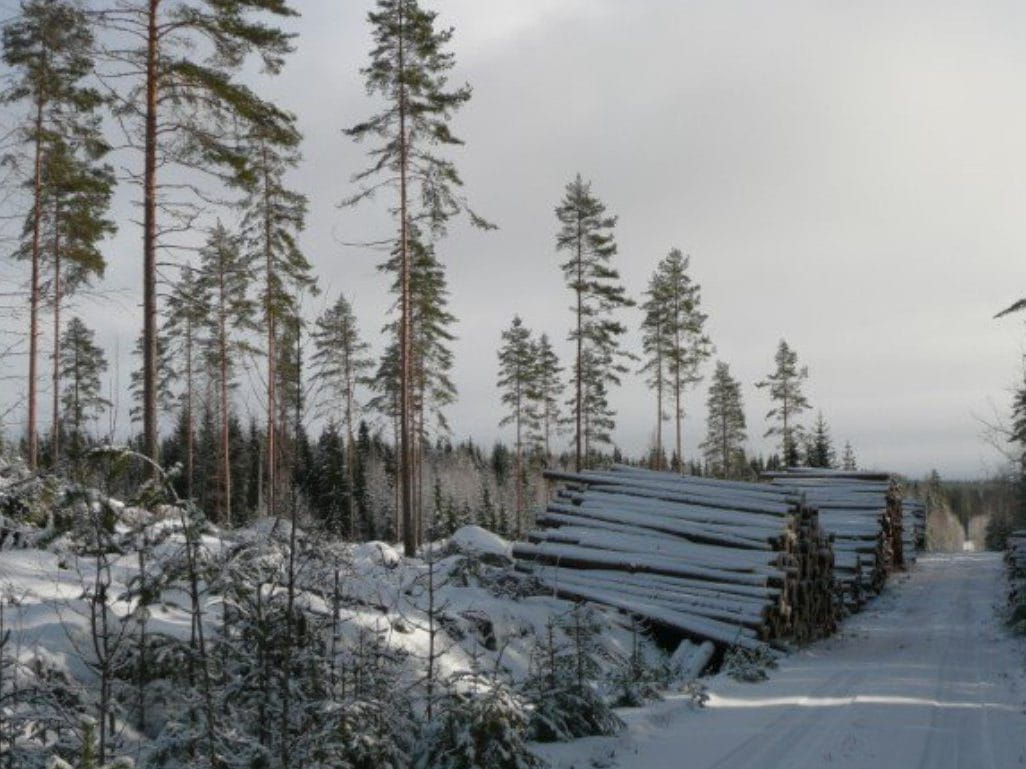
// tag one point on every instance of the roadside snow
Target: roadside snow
(926, 678)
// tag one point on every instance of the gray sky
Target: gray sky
(848, 176)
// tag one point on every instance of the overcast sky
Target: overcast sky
(848, 176)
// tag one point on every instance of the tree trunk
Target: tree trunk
(55, 430)
(659, 397)
(350, 443)
(271, 362)
(518, 469)
(677, 384)
(579, 397)
(150, 244)
(190, 424)
(226, 467)
(405, 448)
(37, 221)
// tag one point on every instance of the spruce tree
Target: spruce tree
(546, 391)
(586, 233)
(785, 390)
(184, 109)
(725, 425)
(48, 50)
(341, 364)
(82, 364)
(409, 68)
(516, 373)
(819, 450)
(224, 278)
(848, 461)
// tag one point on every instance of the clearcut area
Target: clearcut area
(927, 677)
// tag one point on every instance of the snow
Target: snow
(473, 540)
(926, 677)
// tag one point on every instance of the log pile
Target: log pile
(863, 513)
(913, 515)
(727, 562)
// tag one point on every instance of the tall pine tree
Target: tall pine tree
(48, 51)
(674, 339)
(785, 390)
(224, 279)
(586, 234)
(183, 107)
(409, 68)
(77, 191)
(273, 217)
(516, 380)
(546, 391)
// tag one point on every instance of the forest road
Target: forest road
(926, 677)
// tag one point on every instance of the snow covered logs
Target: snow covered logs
(732, 563)
(863, 513)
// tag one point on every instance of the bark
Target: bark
(226, 467)
(405, 447)
(55, 430)
(150, 437)
(37, 220)
(578, 463)
(271, 362)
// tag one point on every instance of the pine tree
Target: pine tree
(674, 339)
(820, 448)
(516, 374)
(654, 341)
(82, 364)
(545, 393)
(430, 355)
(725, 425)
(785, 389)
(341, 364)
(183, 108)
(848, 461)
(77, 188)
(586, 232)
(48, 50)
(273, 217)
(224, 277)
(409, 67)
(185, 318)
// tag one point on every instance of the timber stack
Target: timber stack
(913, 516)
(863, 513)
(732, 563)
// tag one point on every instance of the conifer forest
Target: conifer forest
(265, 533)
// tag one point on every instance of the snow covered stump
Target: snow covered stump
(736, 564)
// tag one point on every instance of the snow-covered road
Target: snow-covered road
(925, 678)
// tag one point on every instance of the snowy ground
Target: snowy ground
(925, 678)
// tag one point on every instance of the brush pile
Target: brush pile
(737, 564)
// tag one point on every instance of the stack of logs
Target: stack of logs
(727, 562)
(863, 513)
(913, 515)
